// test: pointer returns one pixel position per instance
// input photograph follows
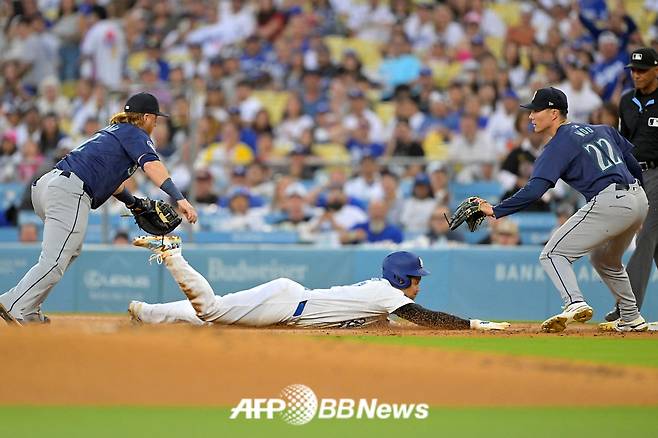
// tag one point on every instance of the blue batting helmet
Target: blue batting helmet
(399, 266)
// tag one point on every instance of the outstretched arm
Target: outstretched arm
(419, 315)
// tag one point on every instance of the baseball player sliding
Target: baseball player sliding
(83, 180)
(286, 302)
(596, 161)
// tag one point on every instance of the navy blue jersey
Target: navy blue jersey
(108, 158)
(587, 157)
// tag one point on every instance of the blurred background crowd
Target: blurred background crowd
(332, 122)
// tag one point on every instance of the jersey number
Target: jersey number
(604, 153)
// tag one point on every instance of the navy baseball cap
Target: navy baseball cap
(547, 98)
(143, 103)
(643, 59)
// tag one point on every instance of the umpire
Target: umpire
(81, 181)
(638, 122)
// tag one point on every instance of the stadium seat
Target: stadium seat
(489, 190)
(10, 194)
(367, 51)
(332, 152)
(276, 237)
(535, 228)
(8, 234)
(274, 103)
(506, 11)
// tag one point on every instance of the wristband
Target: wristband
(126, 197)
(170, 188)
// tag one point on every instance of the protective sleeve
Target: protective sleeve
(429, 318)
(533, 190)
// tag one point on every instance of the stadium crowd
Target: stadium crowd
(344, 121)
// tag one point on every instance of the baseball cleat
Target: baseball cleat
(162, 246)
(653, 326)
(613, 315)
(134, 308)
(578, 312)
(6, 316)
(637, 325)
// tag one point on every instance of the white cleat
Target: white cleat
(653, 326)
(637, 325)
(578, 312)
(134, 309)
(161, 246)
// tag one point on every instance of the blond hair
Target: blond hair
(136, 119)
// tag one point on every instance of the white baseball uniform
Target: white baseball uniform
(280, 301)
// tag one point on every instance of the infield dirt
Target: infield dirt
(107, 361)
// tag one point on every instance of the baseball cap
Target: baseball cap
(295, 189)
(143, 103)
(643, 59)
(547, 98)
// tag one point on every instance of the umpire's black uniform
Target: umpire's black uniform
(639, 124)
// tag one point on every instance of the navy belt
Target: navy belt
(646, 165)
(622, 186)
(300, 308)
(67, 174)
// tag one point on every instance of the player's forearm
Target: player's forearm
(634, 167)
(429, 318)
(157, 172)
(531, 192)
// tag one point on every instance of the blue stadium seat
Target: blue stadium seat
(489, 190)
(276, 237)
(8, 234)
(535, 228)
(10, 194)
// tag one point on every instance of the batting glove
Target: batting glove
(477, 324)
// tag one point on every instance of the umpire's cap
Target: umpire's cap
(400, 265)
(547, 98)
(643, 59)
(143, 103)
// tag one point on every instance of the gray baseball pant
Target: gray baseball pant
(62, 204)
(604, 227)
(646, 249)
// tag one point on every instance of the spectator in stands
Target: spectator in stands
(205, 188)
(294, 121)
(359, 110)
(338, 214)
(583, 100)
(10, 157)
(240, 216)
(418, 208)
(366, 186)
(51, 133)
(359, 145)
(524, 172)
(392, 196)
(104, 50)
(419, 26)
(296, 213)
(501, 125)
(446, 27)
(270, 21)
(121, 238)
(608, 73)
(473, 149)
(50, 100)
(376, 229)
(438, 231)
(229, 151)
(504, 232)
(259, 180)
(31, 160)
(30, 126)
(371, 20)
(403, 143)
(249, 105)
(67, 30)
(28, 233)
(313, 93)
(606, 114)
(526, 152)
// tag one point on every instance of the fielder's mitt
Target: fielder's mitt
(155, 217)
(468, 211)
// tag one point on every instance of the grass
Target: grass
(602, 350)
(188, 422)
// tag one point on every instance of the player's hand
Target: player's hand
(188, 211)
(477, 324)
(486, 208)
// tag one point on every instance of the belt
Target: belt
(622, 186)
(646, 165)
(300, 308)
(67, 174)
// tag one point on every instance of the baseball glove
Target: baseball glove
(468, 211)
(155, 217)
